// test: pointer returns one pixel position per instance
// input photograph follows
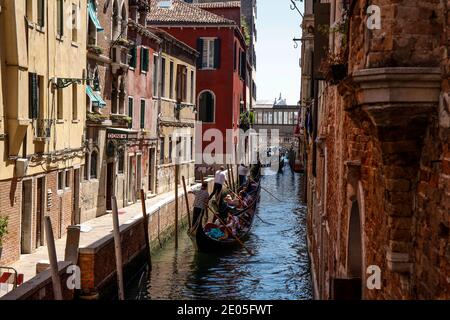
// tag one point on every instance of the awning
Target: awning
(96, 100)
(93, 15)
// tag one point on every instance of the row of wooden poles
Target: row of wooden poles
(73, 238)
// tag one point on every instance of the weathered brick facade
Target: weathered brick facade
(378, 163)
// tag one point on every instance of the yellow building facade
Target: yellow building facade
(42, 105)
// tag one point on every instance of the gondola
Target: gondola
(204, 243)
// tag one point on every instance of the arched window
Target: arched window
(94, 161)
(207, 106)
(124, 21)
(116, 23)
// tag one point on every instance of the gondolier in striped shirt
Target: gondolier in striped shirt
(200, 202)
(219, 179)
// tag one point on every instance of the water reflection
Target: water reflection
(278, 270)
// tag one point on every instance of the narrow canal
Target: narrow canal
(279, 269)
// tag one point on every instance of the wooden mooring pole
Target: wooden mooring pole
(118, 249)
(56, 281)
(186, 196)
(146, 232)
(177, 171)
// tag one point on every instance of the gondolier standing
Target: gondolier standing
(219, 179)
(200, 202)
(243, 173)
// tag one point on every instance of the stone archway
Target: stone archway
(354, 247)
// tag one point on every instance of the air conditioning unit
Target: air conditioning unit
(21, 167)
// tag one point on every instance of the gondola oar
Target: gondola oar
(267, 191)
(230, 232)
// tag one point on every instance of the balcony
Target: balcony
(42, 129)
(120, 56)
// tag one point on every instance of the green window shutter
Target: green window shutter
(133, 53)
(144, 59)
(143, 114)
(130, 111)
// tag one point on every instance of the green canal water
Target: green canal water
(279, 270)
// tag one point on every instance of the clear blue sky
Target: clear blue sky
(278, 67)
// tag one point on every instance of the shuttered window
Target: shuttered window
(210, 50)
(133, 57)
(34, 95)
(130, 111)
(144, 59)
(181, 83)
(60, 17)
(142, 114)
(41, 13)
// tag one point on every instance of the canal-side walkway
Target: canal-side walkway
(94, 232)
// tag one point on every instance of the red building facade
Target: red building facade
(220, 83)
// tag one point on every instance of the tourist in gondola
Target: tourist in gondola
(219, 179)
(200, 202)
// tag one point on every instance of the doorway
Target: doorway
(151, 170)
(109, 185)
(138, 174)
(26, 218)
(40, 211)
(76, 197)
(131, 180)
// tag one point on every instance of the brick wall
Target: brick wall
(398, 174)
(10, 199)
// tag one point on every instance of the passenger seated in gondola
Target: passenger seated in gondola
(234, 203)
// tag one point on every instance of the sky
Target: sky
(278, 69)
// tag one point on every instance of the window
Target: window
(142, 114)
(170, 149)
(243, 65)
(60, 17)
(94, 160)
(266, 118)
(130, 111)
(207, 106)
(133, 57)
(67, 179)
(259, 117)
(163, 77)
(74, 22)
(116, 21)
(155, 75)
(34, 96)
(41, 13)
(162, 152)
(144, 59)
(280, 117)
(75, 102)
(59, 104)
(295, 117)
(192, 86)
(171, 80)
(29, 10)
(61, 180)
(120, 161)
(86, 166)
(270, 118)
(209, 53)
(181, 83)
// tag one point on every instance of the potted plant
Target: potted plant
(334, 67)
(95, 49)
(3, 231)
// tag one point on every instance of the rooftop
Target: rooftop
(221, 4)
(182, 13)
